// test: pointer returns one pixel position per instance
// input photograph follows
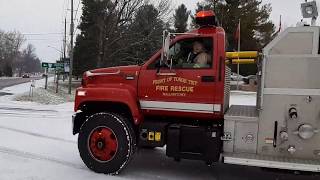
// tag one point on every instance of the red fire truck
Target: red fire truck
(179, 99)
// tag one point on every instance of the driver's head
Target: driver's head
(198, 47)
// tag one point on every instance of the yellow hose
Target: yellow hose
(242, 61)
(242, 55)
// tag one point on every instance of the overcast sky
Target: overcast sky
(42, 20)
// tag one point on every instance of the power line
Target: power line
(40, 34)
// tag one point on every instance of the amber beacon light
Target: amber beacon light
(206, 18)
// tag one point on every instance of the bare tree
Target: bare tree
(113, 17)
(108, 34)
(115, 21)
(10, 44)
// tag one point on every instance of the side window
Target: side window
(193, 53)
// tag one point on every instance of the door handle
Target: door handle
(167, 74)
(207, 79)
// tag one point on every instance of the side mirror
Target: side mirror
(165, 47)
(166, 60)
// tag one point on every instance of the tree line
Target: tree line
(14, 59)
(123, 32)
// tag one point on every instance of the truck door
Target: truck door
(189, 86)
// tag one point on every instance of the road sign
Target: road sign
(67, 67)
(59, 65)
(49, 65)
(52, 65)
(45, 65)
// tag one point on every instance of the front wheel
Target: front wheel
(106, 143)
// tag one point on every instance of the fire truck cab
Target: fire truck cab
(180, 99)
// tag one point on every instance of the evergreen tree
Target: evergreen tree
(256, 27)
(102, 29)
(86, 48)
(181, 17)
(145, 35)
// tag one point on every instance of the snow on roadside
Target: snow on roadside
(20, 89)
(9, 77)
(42, 96)
(20, 94)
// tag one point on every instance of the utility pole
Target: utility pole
(64, 47)
(71, 50)
(65, 38)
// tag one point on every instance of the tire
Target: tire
(106, 143)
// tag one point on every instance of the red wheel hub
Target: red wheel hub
(103, 144)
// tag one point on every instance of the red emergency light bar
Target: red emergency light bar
(206, 18)
(202, 14)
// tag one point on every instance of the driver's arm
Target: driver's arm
(202, 60)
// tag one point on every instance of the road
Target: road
(37, 143)
(14, 81)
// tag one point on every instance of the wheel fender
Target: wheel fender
(122, 95)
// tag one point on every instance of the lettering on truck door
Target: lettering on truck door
(189, 86)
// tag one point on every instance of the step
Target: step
(272, 162)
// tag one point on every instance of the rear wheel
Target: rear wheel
(106, 143)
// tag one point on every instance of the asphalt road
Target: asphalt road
(14, 81)
(47, 149)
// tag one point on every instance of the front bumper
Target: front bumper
(77, 120)
(73, 118)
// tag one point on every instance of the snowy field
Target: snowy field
(36, 143)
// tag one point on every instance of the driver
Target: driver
(198, 56)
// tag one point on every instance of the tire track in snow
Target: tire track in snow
(26, 112)
(27, 109)
(38, 135)
(33, 156)
(32, 115)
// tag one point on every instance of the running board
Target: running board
(272, 162)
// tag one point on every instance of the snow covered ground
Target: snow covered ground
(36, 144)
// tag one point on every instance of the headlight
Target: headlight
(81, 93)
